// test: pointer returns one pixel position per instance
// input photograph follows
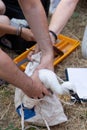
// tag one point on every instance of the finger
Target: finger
(50, 91)
(29, 56)
(37, 49)
(41, 96)
(46, 92)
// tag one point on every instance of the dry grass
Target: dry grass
(77, 114)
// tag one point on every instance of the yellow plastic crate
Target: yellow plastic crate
(62, 49)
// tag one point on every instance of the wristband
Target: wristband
(19, 30)
(55, 36)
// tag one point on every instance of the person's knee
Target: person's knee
(4, 19)
(2, 8)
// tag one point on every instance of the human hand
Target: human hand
(46, 60)
(27, 34)
(32, 52)
(39, 89)
(34, 88)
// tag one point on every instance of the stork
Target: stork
(49, 79)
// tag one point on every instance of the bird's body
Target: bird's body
(49, 79)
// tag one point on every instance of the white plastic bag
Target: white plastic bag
(38, 111)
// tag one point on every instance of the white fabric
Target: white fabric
(16, 22)
(53, 5)
(48, 108)
(84, 44)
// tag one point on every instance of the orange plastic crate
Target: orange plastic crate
(65, 44)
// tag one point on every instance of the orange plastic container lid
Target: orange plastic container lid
(64, 46)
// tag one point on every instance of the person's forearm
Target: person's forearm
(7, 29)
(36, 18)
(22, 32)
(10, 72)
(62, 14)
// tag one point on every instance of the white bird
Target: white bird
(49, 79)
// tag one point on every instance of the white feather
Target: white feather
(49, 79)
(67, 85)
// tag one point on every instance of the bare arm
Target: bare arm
(62, 14)
(8, 29)
(36, 18)
(10, 72)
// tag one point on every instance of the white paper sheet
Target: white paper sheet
(78, 76)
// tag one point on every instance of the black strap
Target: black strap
(55, 36)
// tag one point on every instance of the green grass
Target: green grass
(10, 127)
